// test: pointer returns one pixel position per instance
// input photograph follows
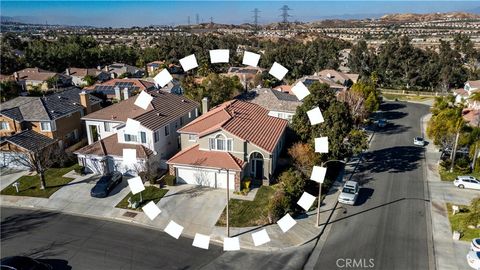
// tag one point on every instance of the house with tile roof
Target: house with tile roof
(279, 104)
(234, 140)
(154, 141)
(121, 89)
(56, 116)
(78, 75)
(463, 95)
(119, 69)
(345, 79)
(309, 80)
(32, 78)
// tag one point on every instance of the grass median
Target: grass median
(30, 184)
(150, 193)
(457, 222)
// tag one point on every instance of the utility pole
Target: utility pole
(285, 14)
(455, 145)
(255, 17)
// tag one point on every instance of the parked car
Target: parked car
(23, 263)
(466, 181)
(475, 244)
(349, 193)
(106, 184)
(382, 123)
(419, 141)
(473, 259)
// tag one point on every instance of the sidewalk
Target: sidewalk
(449, 254)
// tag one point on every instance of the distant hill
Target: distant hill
(414, 17)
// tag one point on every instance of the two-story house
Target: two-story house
(120, 89)
(36, 78)
(78, 75)
(345, 79)
(235, 139)
(154, 141)
(119, 69)
(463, 95)
(56, 116)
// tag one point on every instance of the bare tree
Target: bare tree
(147, 170)
(356, 103)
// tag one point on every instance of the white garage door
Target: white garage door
(207, 178)
(14, 160)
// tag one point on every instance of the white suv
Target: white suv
(467, 182)
(349, 193)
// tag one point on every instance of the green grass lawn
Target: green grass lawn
(248, 213)
(445, 175)
(405, 97)
(150, 193)
(457, 224)
(30, 185)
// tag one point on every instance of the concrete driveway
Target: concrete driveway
(8, 176)
(194, 207)
(446, 192)
(75, 196)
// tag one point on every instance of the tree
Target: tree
(217, 88)
(304, 157)
(292, 183)
(52, 82)
(356, 103)
(361, 60)
(89, 79)
(9, 90)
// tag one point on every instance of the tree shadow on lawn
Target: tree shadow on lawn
(394, 159)
(23, 223)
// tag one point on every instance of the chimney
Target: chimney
(106, 68)
(125, 93)
(112, 75)
(204, 105)
(99, 67)
(118, 95)
(15, 75)
(67, 71)
(85, 102)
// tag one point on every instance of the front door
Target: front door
(258, 169)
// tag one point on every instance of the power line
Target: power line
(285, 14)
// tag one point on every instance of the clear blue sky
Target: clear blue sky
(142, 13)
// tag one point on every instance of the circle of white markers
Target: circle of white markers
(260, 237)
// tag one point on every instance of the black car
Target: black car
(23, 263)
(106, 184)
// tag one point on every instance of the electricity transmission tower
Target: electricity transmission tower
(197, 18)
(285, 14)
(255, 17)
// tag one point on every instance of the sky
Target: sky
(144, 13)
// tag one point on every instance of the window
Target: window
(229, 144)
(192, 137)
(181, 121)
(211, 143)
(107, 126)
(155, 136)
(196, 112)
(189, 115)
(130, 138)
(167, 130)
(45, 126)
(220, 143)
(4, 125)
(143, 137)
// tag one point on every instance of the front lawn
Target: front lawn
(150, 193)
(405, 97)
(248, 213)
(457, 223)
(30, 185)
(445, 175)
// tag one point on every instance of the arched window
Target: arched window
(220, 143)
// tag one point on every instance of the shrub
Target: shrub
(292, 183)
(170, 180)
(277, 206)
(80, 170)
(462, 165)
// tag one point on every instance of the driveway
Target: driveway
(447, 192)
(75, 196)
(194, 207)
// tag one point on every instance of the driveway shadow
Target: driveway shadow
(393, 159)
(391, 106)
(193, 191)
(23, 223)
(363, 195)
(119, 187)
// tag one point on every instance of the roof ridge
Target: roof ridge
(182, 152)
(234, 159)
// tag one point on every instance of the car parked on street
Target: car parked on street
(473, 259)
(475, 244)
(23, 263)
(419, 141)
(349, 193)
(105, 184)
(466, 181)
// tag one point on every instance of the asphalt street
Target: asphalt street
(387, 229)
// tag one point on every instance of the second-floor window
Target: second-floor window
(143, 137)
(130, 138)
(107, 127)
(192, 137)
(45, 126)
(156, 136)
(220, 143)
(4, 125)
(167, 130)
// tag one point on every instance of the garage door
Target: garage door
(208, 178)
(14, 160)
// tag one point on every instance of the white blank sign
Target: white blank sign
(278, 71)
(189, 62)
(231, 244)
(260, 237)
(143, 100)
(151, 210)
(201, 241)
(321, 145)
(306, 201)
(173, 229)
(250, 59)
(129, 155)
(132, 126)
(219, 56)
(163, 78)
(300, 90)
(318, 174)
(136, 185)
(315, 116)
(286, 223)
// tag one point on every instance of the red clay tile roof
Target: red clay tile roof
(243, 119)
(284, 88)
(163, 109)
(110, 146)
(474, 84)
(195, 157)
(461, 92)
(472, 117)
(141, 84)
(35, 74)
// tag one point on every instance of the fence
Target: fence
(413, 92)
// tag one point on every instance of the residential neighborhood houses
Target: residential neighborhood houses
(39, 79)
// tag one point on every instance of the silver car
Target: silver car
(349, 193)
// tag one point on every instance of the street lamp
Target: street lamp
(320, 190)
(228, 198)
